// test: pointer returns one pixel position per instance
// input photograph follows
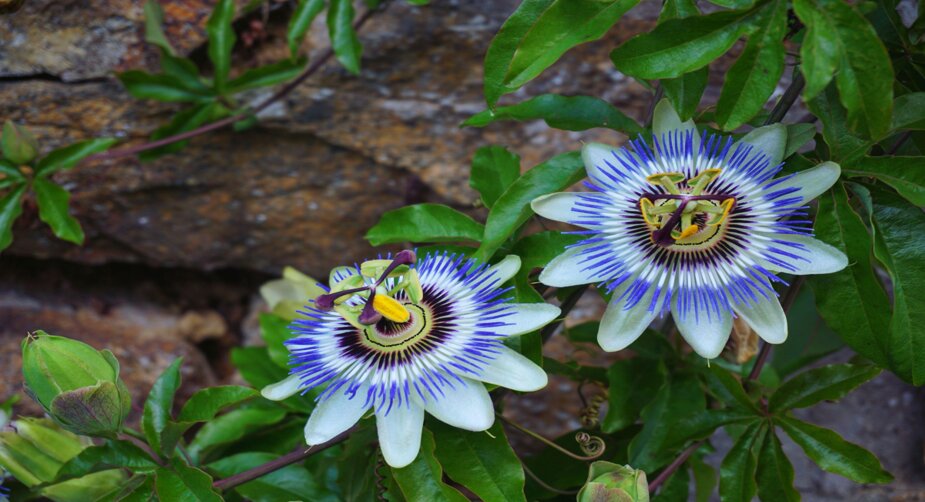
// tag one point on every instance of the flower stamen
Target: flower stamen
(378, 302)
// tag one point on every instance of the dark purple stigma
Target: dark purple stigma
(326, 301)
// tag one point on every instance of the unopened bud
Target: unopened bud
(608, 482)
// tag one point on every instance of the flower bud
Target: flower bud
(76, 384)
(609, 482)
(18, 144)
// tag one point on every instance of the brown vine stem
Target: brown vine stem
(567, 305)
(219, 124)
(273, 465)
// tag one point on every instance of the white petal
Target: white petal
(556, 206)
(526, 317)
(772, 140)
(571, 269)
(282, 389)
(596, 156)
(506, 268)
(705, 329)
(816, 257)
(809, 183)
(334, 415)
(665, 119)
(621, 327)
(766, 317)
(400, 433)
(514, 371)
(465, 406)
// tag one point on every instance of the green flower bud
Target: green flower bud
(18, 144)
(609, 482)
(77, 385)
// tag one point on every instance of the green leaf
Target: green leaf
(571, 113)
(483, 462)
(704, 479)
(305, 12)
(18, 144)
(733, 4)
(10, 175)
(68, 156)
(113, 454)
(675, 9)
(256, 366)
(233, 426)
(53, 210)
(679, 46)
(268, 75)
(206, 403)
(909, 112)
(183, 483)
(347, 48)
(839, 38)
(512, 209)
(797, 136)
(675, 489)
(851, 301)
(905, 174)
(809, 339)
(754, 76)
(422, 480)
(678, 398)
(899, 245)
(729, 390)
(185, 120)
(185, 72)
(154, 26)
(737, 474)
(275, 331)
(702, 424)
(424, 223)
(827, 383)
(633, 384)
(685, 91)
(832, 453)
(845, 145)
(775, 472)
(10, 209)
(159, 405)
(538, 33)
(161, 87)
(293, 482)
(494, 168)
(221, 41)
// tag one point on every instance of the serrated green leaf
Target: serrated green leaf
(53, 210)
(494, 168)
(424, 223)
(737, 474)
(156, 418)
(68, 156)
(221, 41)
(483, 462)
(900, 245)
(344, 40)
(268, 75)
(851, 301)
(154, 26)
(512, 209)
(10, 209)
(422, 480)
(839, 37)
(538, 33)
(679, 46)
(161, 87)
(206, 403)
(827, 383)
(305, 12)
(775, 472)
(832, 453)
(754, 76)
(571, 113)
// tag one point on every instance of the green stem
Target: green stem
(549, 443)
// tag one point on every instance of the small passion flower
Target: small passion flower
(405, 335)
(696, 225)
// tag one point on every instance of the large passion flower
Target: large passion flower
(401, 336)
(695, 224)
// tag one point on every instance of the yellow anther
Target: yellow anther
(646, 207)
(391, 308)
(727, 206)
(688, 231)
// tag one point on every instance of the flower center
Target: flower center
(376, 288)
(388, 335)
(685, 216)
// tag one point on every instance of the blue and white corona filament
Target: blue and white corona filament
(403, 336)
(697, 225)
